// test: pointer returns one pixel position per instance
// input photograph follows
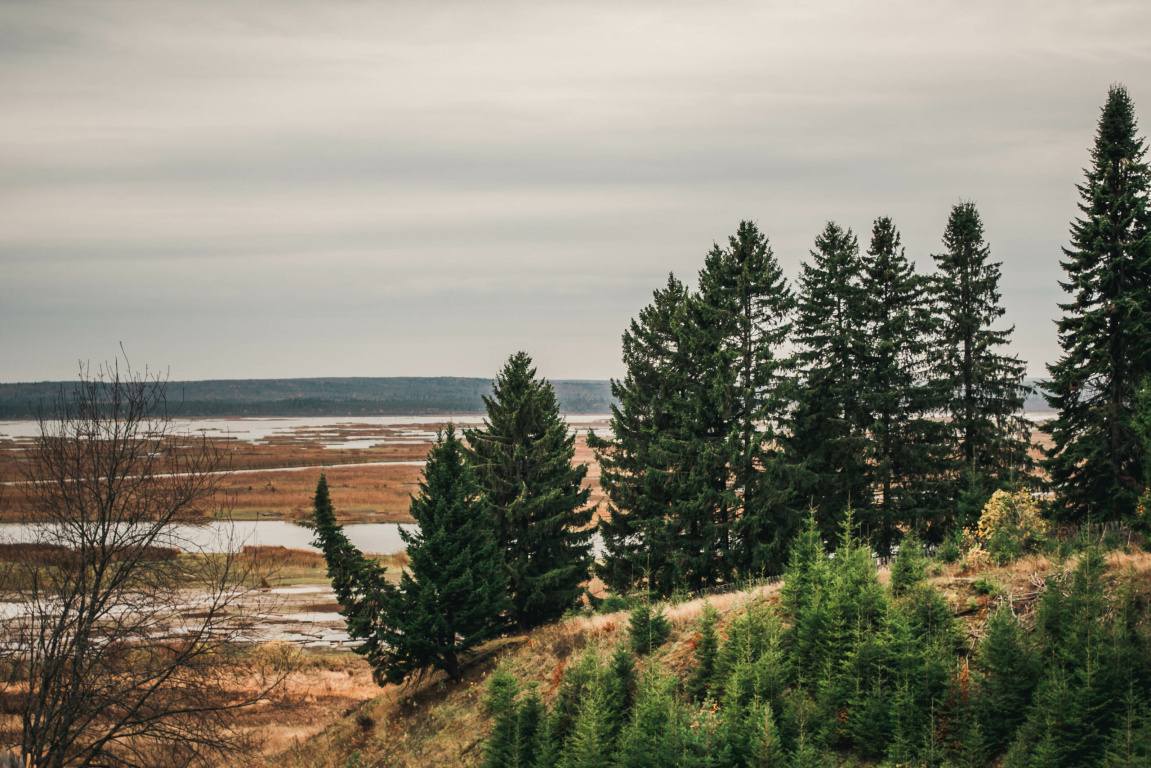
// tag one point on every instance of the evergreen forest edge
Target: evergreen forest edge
(757, 421)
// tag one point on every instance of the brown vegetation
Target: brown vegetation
(376, 493)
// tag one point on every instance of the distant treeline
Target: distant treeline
(361, 396)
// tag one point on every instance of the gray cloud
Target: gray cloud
(303, 188)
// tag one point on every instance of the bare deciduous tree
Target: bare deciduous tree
(123, 629)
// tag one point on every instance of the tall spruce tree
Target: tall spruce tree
(452, 596)
(984, 389)
(906, 448)
(742, 318)
(641, 465)
(826, 432)
(1095, 460)
(533, 493)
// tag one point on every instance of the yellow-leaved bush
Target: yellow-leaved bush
(1009, 526)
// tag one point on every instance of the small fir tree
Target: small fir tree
(647, 739)
(533, 493)
(590, 744)
(910, 566)
(512, 743)
(1130, 742)
(620, 688)
(648, 628)
(767, 751)
(701, 683)
(1005, 677)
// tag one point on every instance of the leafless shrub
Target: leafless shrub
(121, 628)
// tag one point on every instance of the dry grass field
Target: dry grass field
(362, 490)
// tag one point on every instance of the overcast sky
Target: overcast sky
(280, 189)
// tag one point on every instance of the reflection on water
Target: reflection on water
(230, 536)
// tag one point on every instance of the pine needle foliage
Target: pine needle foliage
(704, 677)
(742, 317)
(879, 679)
(827, 427)
(648, 628)
(906, 448)
(359, 583)
(1096, 460)
(910, 566)
(452, 596)
(641, 466)
(984, 388)
(522, 457)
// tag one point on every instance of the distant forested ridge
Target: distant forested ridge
(360, 396)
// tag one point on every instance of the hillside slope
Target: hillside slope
(435, 723)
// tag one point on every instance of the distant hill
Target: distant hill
(361, 396)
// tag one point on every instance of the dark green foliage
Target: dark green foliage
(910, 566)
(535, 496)
(698, 489)
(642, 466)
(549, 748)
(827, 426)
(1005, 677)
(704, 676)
(359, 584)
(1130, 743)
(590, 744)
(648, 739)
(577, 677)
(807, 569)
(613, 603)
(620, 687)
(740, 319)
(878, 678)
(1093, 653)
(767, 748)
(975, 490)
(906, 449)
(983, 388)
(754, 664)
(452, 597)
(516, 724)
(1096, 460)
(648, 628)
(1143, 430)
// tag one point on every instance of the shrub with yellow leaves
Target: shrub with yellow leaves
(1010, 525)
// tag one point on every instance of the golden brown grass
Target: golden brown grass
(378, 493)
